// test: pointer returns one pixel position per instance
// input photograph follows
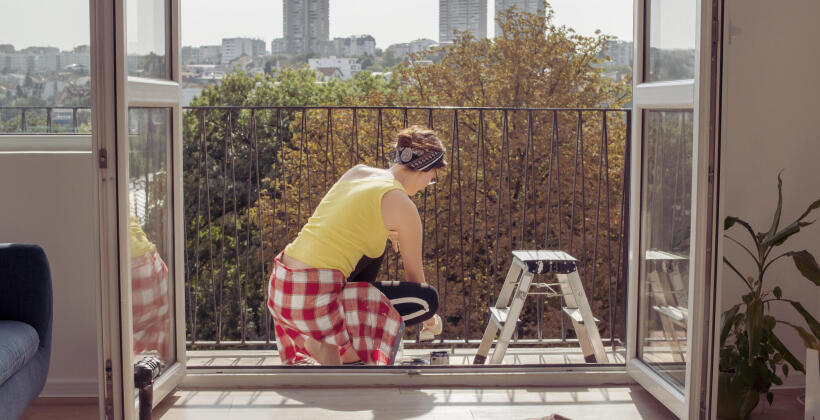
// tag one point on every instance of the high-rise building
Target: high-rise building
(529, 6)
(306, 25)
(461, 15)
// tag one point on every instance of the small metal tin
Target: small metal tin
(440, 357)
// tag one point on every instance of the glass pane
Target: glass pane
(670, 40)
(45, 68)
(665, 227)
(151, 231)
(147, 39)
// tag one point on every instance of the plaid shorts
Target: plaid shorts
(321, 304)
(151, 305)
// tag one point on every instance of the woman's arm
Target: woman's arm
(401, 215)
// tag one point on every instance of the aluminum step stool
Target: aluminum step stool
(517, 286)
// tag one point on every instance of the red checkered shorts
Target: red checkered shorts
(151, 305)
(319, 303)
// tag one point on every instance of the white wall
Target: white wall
(771, 121)
(48, 198)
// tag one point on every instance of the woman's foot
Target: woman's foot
(324, 353)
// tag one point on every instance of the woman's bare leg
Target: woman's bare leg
(324, 353)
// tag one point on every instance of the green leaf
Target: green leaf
(754, 321)
(776, 343)
(785, 368)
(813, 324)
(769, 397)
(784, 234)
(777, 292)
(776, 219)
(807, 265)
(812, 207)
(726, 322)
(731, 220)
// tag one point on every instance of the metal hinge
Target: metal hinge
(109, 389)
(103, 158)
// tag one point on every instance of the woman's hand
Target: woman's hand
(433, 325)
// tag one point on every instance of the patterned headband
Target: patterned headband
(417, 159)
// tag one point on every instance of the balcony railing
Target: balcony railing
(45, 120)
(519, 178)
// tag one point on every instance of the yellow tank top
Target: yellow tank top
(139, 242)
(346, 225)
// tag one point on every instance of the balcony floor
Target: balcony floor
(458, 356)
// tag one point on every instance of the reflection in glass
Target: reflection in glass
(670, 40)
(665, 229)
(151, 231)
(147, 39)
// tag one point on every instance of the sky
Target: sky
(64, 23)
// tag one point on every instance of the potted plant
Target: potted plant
(750, 351)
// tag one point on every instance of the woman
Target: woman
(321, 294)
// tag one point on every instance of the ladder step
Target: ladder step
(575, 314)
(499, 316)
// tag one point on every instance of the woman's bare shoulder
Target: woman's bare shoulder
(362, 171)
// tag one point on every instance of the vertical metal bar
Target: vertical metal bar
(592, 293)
(526, 178)
(74, 119)
(466, 286)
(210, 224)
(23, 127)
(48, 120)
(578, 129)
(356, 134)
(550, 177)
(627, 175)
(193, 306)
(236, 223)
(509, 183)
(448, 258)
(223, 273)
(480, 134)
(299, 174)
(380, 139)
(260, 219)
(558, 172)
(498, 205)
(327, 149)
(608, 231)
(306, 146)
(251, 141)
(483, 144)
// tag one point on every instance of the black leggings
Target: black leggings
(415, 302)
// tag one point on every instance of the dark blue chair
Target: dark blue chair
(25, 326)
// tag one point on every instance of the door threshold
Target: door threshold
(425, 376)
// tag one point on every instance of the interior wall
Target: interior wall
(770, 122)
(48, 198)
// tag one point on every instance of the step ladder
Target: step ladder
(669, 296)
(518, 285)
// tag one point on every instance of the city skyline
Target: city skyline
(389, 22)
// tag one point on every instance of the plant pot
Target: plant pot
(731, 397)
